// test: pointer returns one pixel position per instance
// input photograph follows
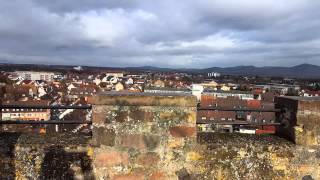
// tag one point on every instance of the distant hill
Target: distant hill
(303, 71)
(300, 71)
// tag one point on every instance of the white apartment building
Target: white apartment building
(33, 75)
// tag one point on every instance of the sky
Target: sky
(163, 33)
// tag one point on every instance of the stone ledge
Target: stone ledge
(143, 99)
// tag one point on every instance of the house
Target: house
(41, 91)
(71, 86)
(214, 74)
(159, 83)
(197, 90)
(115, 74)
(14, 92)
(129, 81)
(82, 91)
(140, 81)
(119, 86)
(34, 75)
(26, 113)
(280, 88)
(210, 84)
(245, 95)
(225, 88)
(309, 93)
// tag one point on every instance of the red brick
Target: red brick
(148, 159)
(111, 158)
(158, 176)
(182, 131)
(131, 176)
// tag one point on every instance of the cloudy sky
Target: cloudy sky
(163, 33)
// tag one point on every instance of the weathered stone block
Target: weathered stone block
(140, 115)
(139, 141)
(121, 116)
(148, 159)
(183, 131)
(99, 117)
(176, 143)
(193, 156)
(104, 136)
(143, 99)
(109, 158)
(158, 176)
(131, 176)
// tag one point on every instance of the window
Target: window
(203, 118)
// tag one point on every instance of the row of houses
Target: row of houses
(26, 113)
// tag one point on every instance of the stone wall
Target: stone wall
(153, 137)
(148, 137)
(144, 137)
(31, 156)
(301, 118)
(236, 156)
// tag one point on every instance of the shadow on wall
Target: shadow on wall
(59, 164)
(7, 155)
(287, 118)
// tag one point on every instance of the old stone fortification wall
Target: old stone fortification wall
(144, 137)
(141, 137)
(302, 118)
(234, 156)
(153, 137)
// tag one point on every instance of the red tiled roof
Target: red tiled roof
(254, 103)
(27, 103)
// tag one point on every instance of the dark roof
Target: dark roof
(27, 103)
(114, 93)
(229, 92)
(167, 89)
(300, 98)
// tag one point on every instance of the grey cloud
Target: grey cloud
(167, 33)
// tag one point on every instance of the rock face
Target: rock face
(154, 137)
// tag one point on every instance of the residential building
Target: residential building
(34, 75)
(26, 113)
(167, 90)
(214, 74)
(244, 95)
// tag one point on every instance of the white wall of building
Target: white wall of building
(34, 76)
